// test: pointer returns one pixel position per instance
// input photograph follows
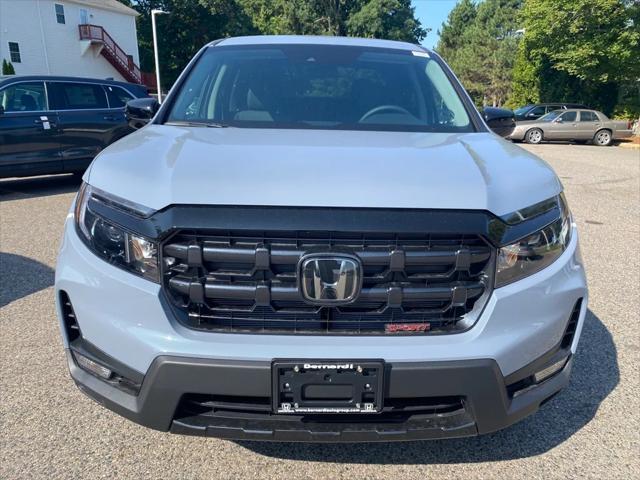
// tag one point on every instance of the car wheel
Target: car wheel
(533, 136)
(602, 138)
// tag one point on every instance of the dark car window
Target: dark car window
(569, 116)
(536, 112)
(551, 108)
(80, 96)
(588, 116)
(24, 97)
(314, 86)
(117, 96)
(522, 110)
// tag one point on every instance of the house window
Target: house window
(14, 52)
(59, 13)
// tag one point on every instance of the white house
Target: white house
(88, 38)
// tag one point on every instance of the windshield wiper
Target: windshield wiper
(181, 123)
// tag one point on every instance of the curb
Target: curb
(635, 146)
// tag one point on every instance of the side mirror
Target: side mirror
(558, 120)
(500, 120)
(140, 111)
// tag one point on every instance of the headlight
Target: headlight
(111, 242)
(536, 251)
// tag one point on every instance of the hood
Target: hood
(161, 165)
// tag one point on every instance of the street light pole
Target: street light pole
(155, 12)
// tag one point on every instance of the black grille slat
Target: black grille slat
(240, 291)
(225, 255)
(247, 281)
(395, 409)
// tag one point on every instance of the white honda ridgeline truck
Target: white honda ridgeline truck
(319, 239)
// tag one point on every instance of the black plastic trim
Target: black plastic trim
(480, 382)
(366, 220)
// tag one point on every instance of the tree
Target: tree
(7, 68)
(390, 19)
(588, 39)
(460, 19)
(190, 25)
(280, 17)
(480, 44)
(193, 23)
(577, 50)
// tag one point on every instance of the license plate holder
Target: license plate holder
(327, 386)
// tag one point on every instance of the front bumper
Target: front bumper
(485, 403)
(125, 318)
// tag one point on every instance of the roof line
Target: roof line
(111, 5)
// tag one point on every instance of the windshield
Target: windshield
(551, 116)
(319, 86)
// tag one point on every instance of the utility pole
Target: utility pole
(155, 12)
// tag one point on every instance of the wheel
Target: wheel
(602, 138)
(533, 136)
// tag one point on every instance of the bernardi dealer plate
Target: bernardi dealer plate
(327, 386)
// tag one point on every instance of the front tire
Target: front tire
(602, 138)
(533, 136)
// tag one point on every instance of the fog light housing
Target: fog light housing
(90, 366)
(542, 375)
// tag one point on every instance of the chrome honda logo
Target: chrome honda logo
(329, 279)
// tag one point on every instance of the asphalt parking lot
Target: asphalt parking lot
(50, 430)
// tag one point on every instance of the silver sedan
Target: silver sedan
(575, 124)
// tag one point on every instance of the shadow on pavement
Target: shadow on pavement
(21, 276)
(595, 375)
(17, 188)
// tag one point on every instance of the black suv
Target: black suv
(533, 112)
(58, 124)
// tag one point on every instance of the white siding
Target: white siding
(29, 21)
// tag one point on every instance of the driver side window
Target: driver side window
(24, 97)
(536, 112)
(568, 117)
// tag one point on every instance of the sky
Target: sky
(431, 14)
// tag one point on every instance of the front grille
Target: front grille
(395, 409)
(245, 281)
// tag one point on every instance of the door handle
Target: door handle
(109, 117)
